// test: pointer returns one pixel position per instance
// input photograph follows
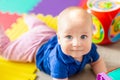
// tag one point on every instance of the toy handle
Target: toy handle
(103, 76)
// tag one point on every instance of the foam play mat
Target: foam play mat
(16, 71)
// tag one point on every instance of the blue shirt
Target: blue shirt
(54, 62)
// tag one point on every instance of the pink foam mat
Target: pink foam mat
(7, 19)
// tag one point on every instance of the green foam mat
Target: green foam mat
(18, 6)
(115, 74)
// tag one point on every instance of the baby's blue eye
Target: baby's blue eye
(83, 37)
(69, 37)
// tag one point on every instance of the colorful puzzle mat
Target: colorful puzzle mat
(37, 6)
(19, 27)
(11, 10)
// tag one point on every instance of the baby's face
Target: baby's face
(75, 37)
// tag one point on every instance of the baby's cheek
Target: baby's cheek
(63, 48)
(89, 48)
(66, 51)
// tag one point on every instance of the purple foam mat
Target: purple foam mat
(53, 7)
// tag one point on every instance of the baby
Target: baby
(59, 54)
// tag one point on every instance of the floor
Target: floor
(110, 54)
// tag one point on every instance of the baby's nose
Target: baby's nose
(76, 42)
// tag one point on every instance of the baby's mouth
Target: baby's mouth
(76, 49)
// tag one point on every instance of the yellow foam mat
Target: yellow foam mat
(49, 20)
(16, 70)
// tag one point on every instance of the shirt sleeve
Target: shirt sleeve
(94, 55)
(58, 69)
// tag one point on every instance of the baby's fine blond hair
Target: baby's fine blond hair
(73, 13)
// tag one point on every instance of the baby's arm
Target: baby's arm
(60, 79)
(99, 66)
